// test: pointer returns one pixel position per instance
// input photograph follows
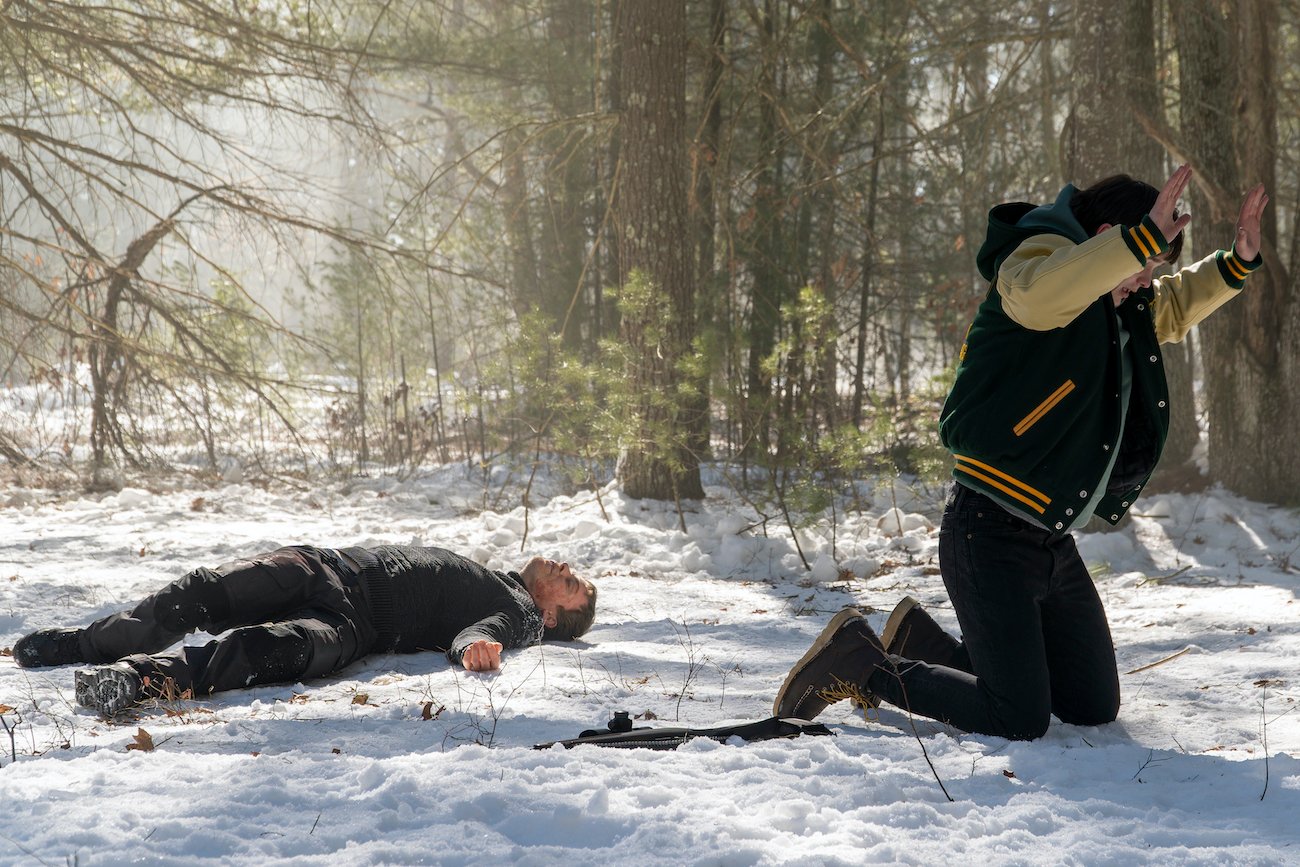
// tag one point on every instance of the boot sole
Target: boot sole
(895, 622)
(817, 646)
(107, 690)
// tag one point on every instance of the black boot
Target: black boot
(49, 647)
(836, 667)
(108, 689)
(912, 634)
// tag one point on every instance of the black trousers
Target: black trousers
(1035, 640)
(290, 614)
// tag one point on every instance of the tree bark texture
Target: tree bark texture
(1114, 77)
(709, 312)
(655, 246)
(764, 243)
(569, 172)
(1228, 107)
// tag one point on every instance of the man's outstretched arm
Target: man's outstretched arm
(478, 647)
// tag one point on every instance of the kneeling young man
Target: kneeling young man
(1058, 412)
(302, 612)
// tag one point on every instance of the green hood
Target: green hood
(1012, 223)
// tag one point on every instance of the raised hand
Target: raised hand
(1162, 212)
(1252, 210)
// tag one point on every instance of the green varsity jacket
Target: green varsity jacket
(1034, 411)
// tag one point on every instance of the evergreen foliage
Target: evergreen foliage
(434, 189)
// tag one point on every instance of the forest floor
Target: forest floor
(405, 759)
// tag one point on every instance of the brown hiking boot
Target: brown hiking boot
(912, 634)
(836, 667)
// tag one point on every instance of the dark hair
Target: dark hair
(571, 624)
(1119, 200)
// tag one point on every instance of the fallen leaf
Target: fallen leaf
(4, 708)
(361, 698)
(143, 742)
(427, 711)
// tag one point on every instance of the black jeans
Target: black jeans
(290, 614)
(1033, 630)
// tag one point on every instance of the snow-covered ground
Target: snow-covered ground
(695, 628)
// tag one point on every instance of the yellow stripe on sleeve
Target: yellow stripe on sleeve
(1150, 237)
(1137, 239)
(1235, 267)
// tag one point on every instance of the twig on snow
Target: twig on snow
(1168, 658)
(1263, 720)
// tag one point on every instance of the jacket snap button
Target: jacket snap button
(1125, 505)
(1083, 495)
(1114, 517)
(1142, 307)
(1161, 404)
(1153, 358)
(1105, 447)
(1069, 512)
(1059, 525)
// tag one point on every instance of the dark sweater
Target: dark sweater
(434, 599)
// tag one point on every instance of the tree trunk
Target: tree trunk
(110, 361)
(656, 249)
(1250, 344)
(820, 198)
(1114, 77)
(870, 198)
(514, 190)
(568, 178)
(764, 244)
(704, 163)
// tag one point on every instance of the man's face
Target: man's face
(553, 585)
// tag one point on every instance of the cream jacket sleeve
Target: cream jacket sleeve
(1049, 280)
(1187, 297)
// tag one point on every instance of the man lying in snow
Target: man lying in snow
(302, 612)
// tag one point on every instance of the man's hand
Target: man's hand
(1252, 210)
(482, 655)
(1162, 212)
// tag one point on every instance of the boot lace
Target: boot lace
(841, 689)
